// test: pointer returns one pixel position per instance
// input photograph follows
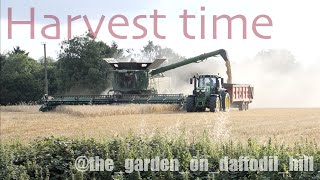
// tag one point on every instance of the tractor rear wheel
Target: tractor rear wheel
(190, 105)
(225, 102)
(214, 104)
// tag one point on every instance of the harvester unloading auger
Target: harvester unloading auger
(131, 84)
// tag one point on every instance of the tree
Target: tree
(2, 60)
(277, 60)
(52, 70)
(81, 68)
(18, 80)
(112, 51)
(18, 50)
(152, 52)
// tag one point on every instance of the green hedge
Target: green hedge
(53, 158)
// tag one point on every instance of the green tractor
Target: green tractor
(208, 93)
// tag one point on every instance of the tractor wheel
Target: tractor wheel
(201, 109)
(190, 105)
(242, 106)
(214, 104)
(225, 102)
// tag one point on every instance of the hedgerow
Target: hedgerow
(53, 158)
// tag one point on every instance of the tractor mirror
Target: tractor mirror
(191, 80)
(222, 81)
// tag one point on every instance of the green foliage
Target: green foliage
(52, 69)
(22, 78)
(53, 158)
(151, 52)
(19, 81)
(18, 50)
(81, 68)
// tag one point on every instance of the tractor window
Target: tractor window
(207, 82)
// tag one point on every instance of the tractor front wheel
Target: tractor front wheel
(214, 104)
(226, 102)
(190, 104)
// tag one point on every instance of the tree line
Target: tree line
(79, 69)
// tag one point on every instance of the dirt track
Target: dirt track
(283, 125)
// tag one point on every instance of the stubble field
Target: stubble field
(284, 126)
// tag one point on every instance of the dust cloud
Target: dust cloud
(229, 71)
(180, 77)
(222, 127)
(279, 79)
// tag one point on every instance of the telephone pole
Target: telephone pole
(45, 69)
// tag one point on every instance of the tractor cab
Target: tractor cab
(208, 84)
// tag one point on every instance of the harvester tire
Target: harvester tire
(225, 102)
(214, 104)
(190, 104)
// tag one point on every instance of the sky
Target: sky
(295, 25)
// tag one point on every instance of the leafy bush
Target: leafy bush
(53, 158)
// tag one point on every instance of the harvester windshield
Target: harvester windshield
(130, 80)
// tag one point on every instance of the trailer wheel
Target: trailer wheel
(214, 104)
(190, 107)
(242, 106)
(246, 106)
(225, 102)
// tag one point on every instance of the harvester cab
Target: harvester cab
(132, 77)
(208, 93)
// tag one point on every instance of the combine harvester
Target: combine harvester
(131, 84)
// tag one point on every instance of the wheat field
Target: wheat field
(25, 123)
